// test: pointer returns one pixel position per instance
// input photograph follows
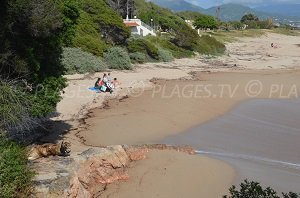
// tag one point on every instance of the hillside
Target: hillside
(234, 12)
(231, 12)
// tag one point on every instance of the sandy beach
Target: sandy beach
(176, 105)
(183, 94)
(172, 174)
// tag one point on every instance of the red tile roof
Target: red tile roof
(131, 24)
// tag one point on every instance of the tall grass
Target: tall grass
(15, 175)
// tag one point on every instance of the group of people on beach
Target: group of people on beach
(106, 84)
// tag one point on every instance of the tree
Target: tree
(204, 22)
(255, 190)
(31, 39)
(249, 18)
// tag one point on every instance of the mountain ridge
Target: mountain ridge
(229, 12)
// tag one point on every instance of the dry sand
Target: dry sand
(147, 119)
(171, 174)
(247, 53)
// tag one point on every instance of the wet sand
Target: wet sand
(260, 138)
(172, 174)
(156, 115)
(177, 105)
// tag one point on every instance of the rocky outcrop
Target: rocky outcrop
(87, 174)
(98, 170)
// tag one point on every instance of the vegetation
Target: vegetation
(165, 55)
(248, 18)
(15, 107)
(253, 22)
(190, 15)
(138, 57)
(182, 35)
(32, 35)
(209, 45)
(255, 190)
(15, 176)
(143, 46)
(117, 58)
(205, 22)
(77, 61)
(31, 40)
(165, 43)
(99, 27)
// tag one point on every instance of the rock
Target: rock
(98, 170)
(87, 174)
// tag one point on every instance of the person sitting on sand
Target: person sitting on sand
(109, 79)
(105, 79)
(115, 83)
(274, 45)
(98, 83)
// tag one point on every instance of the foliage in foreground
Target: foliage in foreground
(77, 61)
(31, 38)
(15, 176)
(255, 190)
(14, 108)
(117, 58)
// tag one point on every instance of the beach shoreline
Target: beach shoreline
(78, 104)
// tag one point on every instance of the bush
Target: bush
(165, 55)
(77, 61)
(138, 57)
(176, 51)
(15, 107)
(15, 176)
(117, 58)
(143, 46)
(209, 45)
(99, 27)
(255, 190)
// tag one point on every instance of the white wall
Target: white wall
(143, 29)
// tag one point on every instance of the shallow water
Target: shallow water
(260, 138)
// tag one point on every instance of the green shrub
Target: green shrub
(77, 61)
(255, 190)
(165, 55)
(176, 51)
(138, 57)
(99, 27)
(15, 176)
(117, 58)
(209, 45)
(143, 46)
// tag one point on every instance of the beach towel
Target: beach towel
(94, 89)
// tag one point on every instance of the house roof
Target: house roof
(131, 24)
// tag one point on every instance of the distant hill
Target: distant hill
(282, 9)
(234, 12)
(178, 5)
(229, 12)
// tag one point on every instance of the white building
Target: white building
(139, 27)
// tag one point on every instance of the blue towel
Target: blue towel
(94, 89)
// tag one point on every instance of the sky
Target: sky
(252, 3)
